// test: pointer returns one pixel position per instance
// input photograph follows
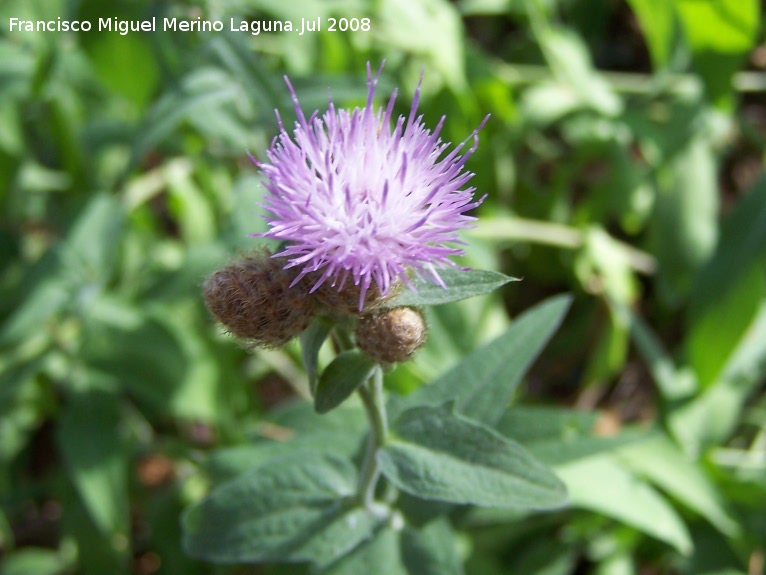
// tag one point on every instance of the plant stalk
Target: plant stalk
(372, 398)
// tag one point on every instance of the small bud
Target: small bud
(391, 335)
(254, 300)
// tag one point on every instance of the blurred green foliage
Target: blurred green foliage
(622, 162)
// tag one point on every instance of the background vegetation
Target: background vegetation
(622, 163)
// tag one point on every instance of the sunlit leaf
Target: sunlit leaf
(728, 26)
(657, 20)
(436, 454)
(601, 485)
(484, 381)
(660, 461)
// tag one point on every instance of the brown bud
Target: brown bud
(254, 300)
(391, 335)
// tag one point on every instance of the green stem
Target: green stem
(372, 397)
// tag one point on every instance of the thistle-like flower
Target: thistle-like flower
(354, 198)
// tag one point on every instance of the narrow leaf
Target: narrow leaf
(96, 458)
(436, 454)
(672, 383)
(712, 416)
(602, 485)
(460, 284)
(341, 378)
(660, 461)
(656, 18)
(483, 383)
(684, 225)
(742, 243)
(714, 336)
(311, 342)
(44, 301)
(35, 560)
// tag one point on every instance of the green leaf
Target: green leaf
(715, 335)
(96, 458)
(545, 103)
(45, 300)
(620, 563)
(725, 26)
(301, 417)
(602, 485)
(96, 552)
(134, 52)
(568, 57)
(712, 416)
(661, 462)
(556, 436)
(431, 28)
(204, 89)
(260, 87)
(483, 383)
(294, 426)
(460, 284)
(145, 358)
(657, 21)
(7, 539)
(559, 452)
(431, 550)
(37, 561)
(227, 463)
(24, 405)
(404, 551)
(290, 509)
(684, 225)
(543, 556)
(746, 366)
(17, 65)
(311, 342)
(527, 424)
(436, 454)
(714, 554)
(380, 555)
(90, 251)
(341, 378)
(742, 244)
(672, 383)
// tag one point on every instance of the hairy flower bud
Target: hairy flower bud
(254, 300)
(391, 335)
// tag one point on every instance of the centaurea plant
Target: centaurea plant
(368, 211)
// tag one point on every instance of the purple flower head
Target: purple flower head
(355, 199)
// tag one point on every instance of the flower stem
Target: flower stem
(372, 397)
